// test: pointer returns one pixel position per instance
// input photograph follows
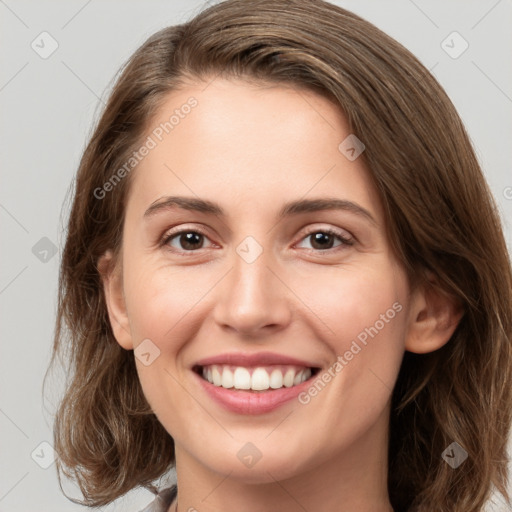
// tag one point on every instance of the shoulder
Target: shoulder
(162, 501)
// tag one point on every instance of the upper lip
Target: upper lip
(256, 359)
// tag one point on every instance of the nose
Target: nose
(253, 299)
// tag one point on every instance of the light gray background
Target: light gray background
(48, 106)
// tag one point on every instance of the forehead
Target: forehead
(243, 141)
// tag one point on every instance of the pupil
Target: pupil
(189, 239)
(323, 239)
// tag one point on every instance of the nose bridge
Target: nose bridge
(252, 297)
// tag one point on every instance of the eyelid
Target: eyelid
(342, 233)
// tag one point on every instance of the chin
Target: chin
(249, 465)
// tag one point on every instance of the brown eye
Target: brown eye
(322, 240)
(186, 240)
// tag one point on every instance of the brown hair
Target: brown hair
(441, 218)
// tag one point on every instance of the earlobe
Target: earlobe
(434, 317)
(111, 277)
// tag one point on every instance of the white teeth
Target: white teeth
(302, 376)
(261, 379)
(288, 378)
(216, 377)
(276, 379)
(242, 379)
(227, 378)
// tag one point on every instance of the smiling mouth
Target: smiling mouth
(257, 378)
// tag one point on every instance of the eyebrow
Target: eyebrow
(292, 208)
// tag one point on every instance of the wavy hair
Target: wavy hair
(442, 222)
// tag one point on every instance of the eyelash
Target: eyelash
(345, 241)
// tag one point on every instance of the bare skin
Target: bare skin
(251, 149)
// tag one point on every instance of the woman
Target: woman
(285, 276)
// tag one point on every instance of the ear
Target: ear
(111, 276)
(434, 318)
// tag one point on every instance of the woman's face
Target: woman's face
(272, 267)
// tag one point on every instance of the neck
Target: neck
(353, 478)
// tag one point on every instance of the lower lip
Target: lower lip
(252, 402)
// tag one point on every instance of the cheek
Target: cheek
(162, 304)
(362, 316)
(159, 300)
(353, 302)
